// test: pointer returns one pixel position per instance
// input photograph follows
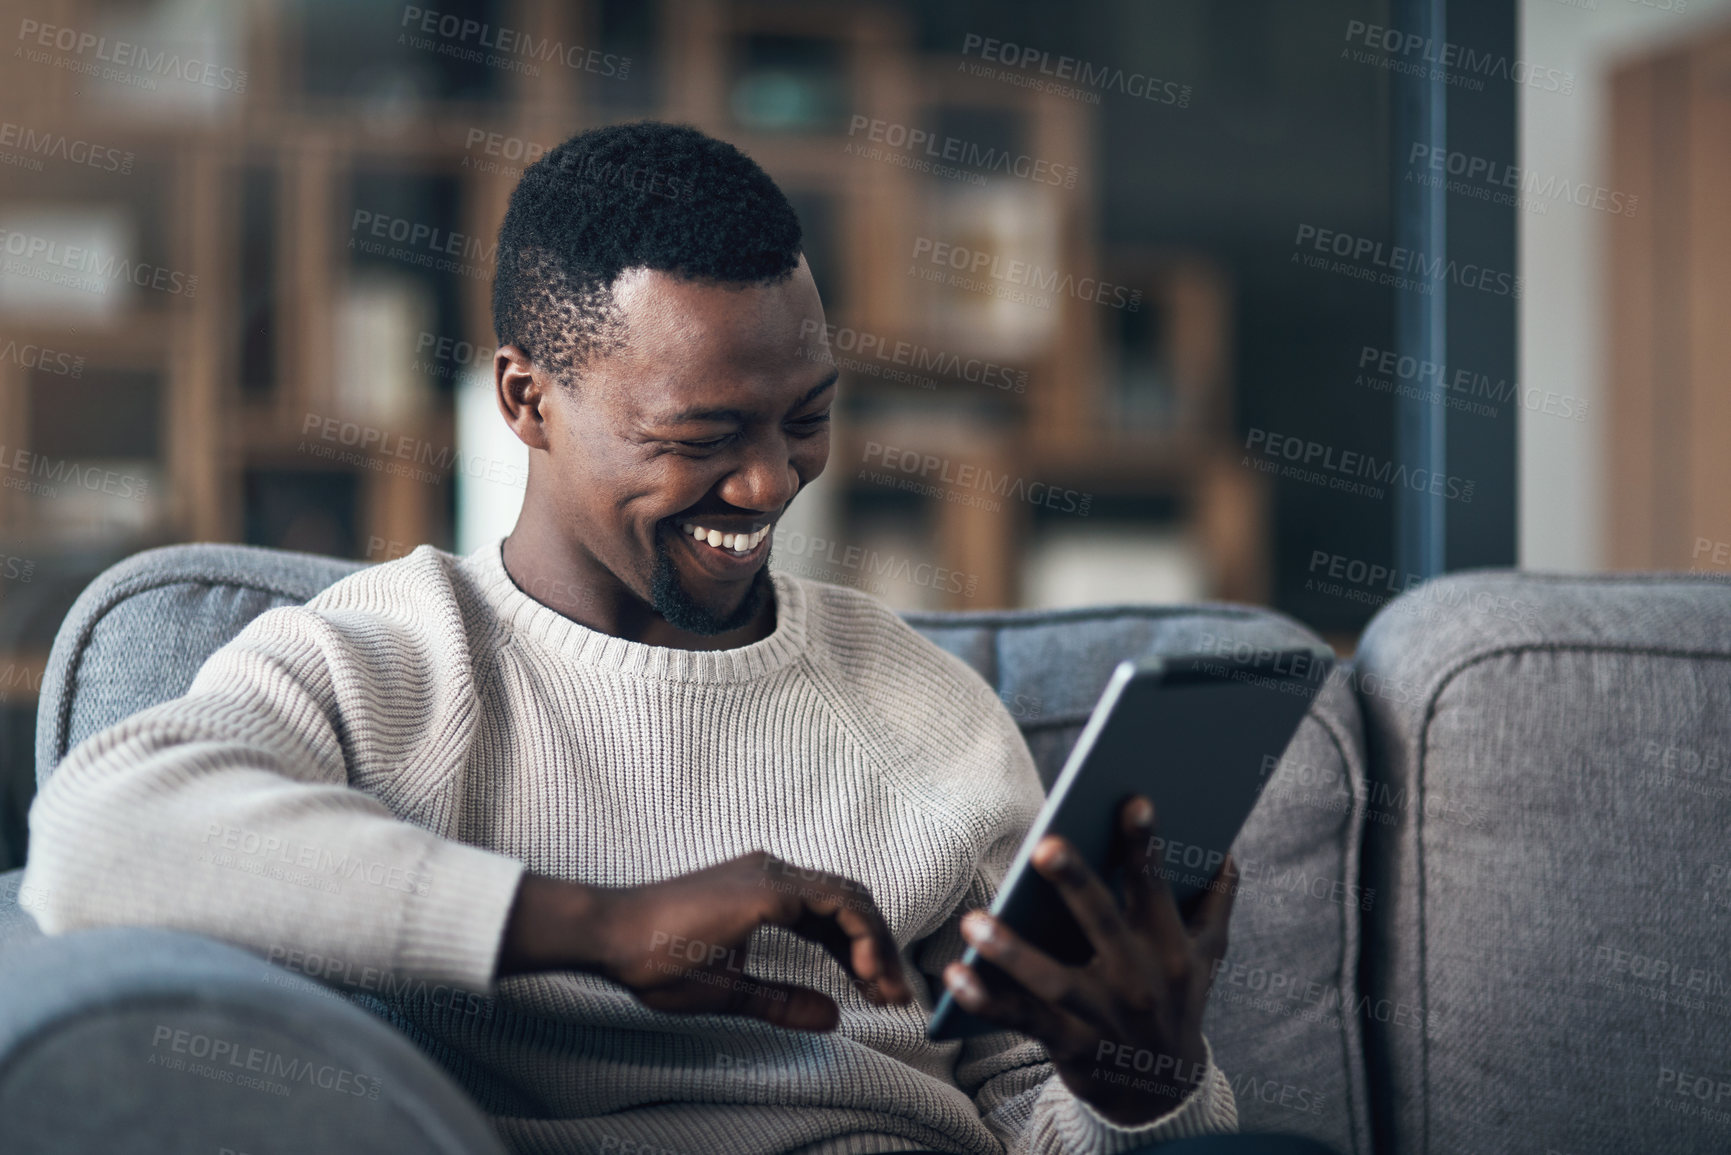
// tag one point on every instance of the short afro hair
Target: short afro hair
(649, 195)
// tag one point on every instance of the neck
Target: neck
(568, 579)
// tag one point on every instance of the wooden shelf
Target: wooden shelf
(1060, 429)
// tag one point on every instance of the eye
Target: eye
(814, 422)
(712, 443)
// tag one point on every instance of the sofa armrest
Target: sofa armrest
(154, 1040)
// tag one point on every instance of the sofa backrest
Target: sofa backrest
(1547, 821)
(1281, 1019)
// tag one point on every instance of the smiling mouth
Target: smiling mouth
(731, 544)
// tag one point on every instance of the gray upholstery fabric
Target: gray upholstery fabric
(1282, 1019)
(138, 634)
(152, 1041)
(1556, 755)
(16, 925)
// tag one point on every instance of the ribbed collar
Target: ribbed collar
(528, 617)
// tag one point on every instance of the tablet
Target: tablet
(1199, 735)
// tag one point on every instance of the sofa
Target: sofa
(1485, 901)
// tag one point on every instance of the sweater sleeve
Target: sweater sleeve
(250, 809)
(1011, 1078)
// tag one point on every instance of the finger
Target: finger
(1209, 922)
(1037, 972)
(1088, 899)
(781, 1004)
(1007, 1005)
(1135, 842)
(840, 915)
(1158, 915)
(828, 933)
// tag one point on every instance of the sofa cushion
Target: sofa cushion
(1553, 772)
(138, 634)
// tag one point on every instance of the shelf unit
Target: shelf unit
(257, 353)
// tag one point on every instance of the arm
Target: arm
(233, 811)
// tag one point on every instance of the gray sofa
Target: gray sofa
(1486, 901)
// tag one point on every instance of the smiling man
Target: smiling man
(709, 834)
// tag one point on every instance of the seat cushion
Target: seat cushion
(1552, 795)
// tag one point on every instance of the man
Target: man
(711, 835)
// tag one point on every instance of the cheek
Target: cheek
(812, 456)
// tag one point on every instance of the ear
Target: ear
(521, 394)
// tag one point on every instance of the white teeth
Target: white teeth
(734, 542)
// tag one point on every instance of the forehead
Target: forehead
(697, 343)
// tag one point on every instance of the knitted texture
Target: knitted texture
(353, 788)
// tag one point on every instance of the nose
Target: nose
(765, 479)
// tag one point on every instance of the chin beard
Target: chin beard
(681, 611)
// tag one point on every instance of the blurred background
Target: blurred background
(1083, 265)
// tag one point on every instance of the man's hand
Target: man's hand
(1125, 1029)
(680, 945)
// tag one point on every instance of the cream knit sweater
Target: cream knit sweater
(353, 788)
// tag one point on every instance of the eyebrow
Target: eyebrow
(739, 414)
